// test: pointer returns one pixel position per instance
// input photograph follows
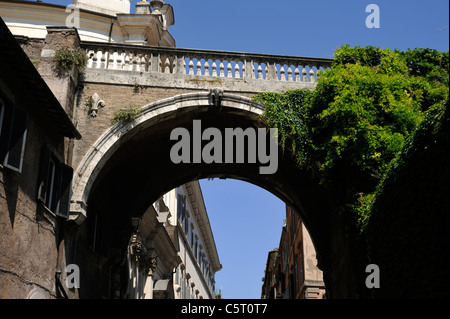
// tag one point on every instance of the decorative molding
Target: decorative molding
(145, 259)
(95, 103)
(215, 97)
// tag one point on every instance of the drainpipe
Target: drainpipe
(110, 30)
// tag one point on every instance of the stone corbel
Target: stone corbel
(95, 105)
(149, 264)
(78, 212)
(145, 258)
(215, 97)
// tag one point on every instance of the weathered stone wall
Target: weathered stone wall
(116, 97)
(28, 249)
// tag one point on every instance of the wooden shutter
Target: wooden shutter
(16, 142)
(65, 191)
(43, 174)
(5, 125)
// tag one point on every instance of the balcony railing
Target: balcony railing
(204, 63)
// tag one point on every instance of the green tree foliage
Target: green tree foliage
(361, 113)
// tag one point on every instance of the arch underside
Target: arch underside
(130, 167)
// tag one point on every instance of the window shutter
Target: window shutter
(2, 135)
(5, 125)
(2, 113)
(43, 174)
(17, 137)
(65, 191)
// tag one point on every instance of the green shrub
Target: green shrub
(67, 59)
(126, 115)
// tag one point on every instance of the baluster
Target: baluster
(222, 68)
(199, 67)
(147, 58)
(214, 68)
(304, 78)
(236, 71)
(207, 70)
(290, 79)
(167, 66)
(282, 73)
(311, 75)
(191, 67)
(102, 59)
(134, 62)
(243, 70)
(260, 74)
(115, 58)
(297, 74)
(90, 55)
(95, 59)
(109, 58)
(127, 61)
(120, 60)
(140, 62)
(229, 75)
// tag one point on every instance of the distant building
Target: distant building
(100, 20)
(195, 276)
(291, 270)
(172, 253)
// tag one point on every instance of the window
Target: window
(188, 290)
(181, 209)
(196, 250)
(186, 226)
(54, 183)
(13, 134)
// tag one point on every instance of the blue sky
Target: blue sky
(247, 220)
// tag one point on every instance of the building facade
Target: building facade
(291, 269)
(36, 138)
(171, 253)
(194, 278)
(108, 21)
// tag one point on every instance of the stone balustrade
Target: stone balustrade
(204, 63)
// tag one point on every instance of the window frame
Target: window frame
(16, 113)
(54, 183)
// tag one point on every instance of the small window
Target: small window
(13, 134)
(54, 183)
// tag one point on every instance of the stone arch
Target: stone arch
(132, 142)
(118, 134)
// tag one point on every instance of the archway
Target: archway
(129, 167)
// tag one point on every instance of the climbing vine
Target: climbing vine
(359, 117)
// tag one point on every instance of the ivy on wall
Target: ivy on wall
(360, 115)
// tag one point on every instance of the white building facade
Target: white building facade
(194, 278)
(96, 21)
